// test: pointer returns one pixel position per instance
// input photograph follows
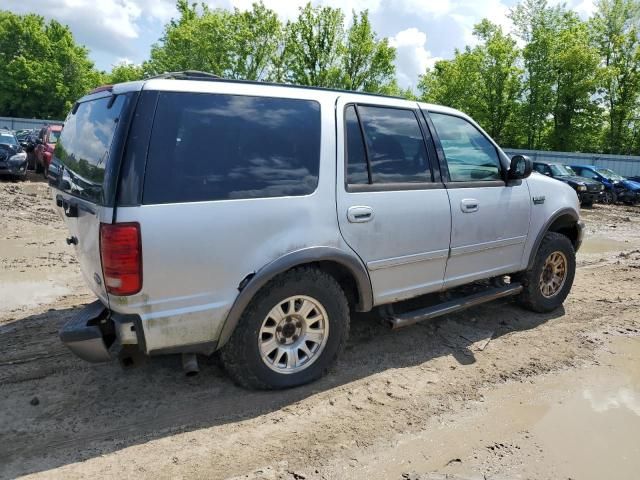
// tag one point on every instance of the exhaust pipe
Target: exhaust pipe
(190, 364)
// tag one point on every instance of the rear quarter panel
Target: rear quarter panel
(196, 254)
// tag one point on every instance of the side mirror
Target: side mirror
(521, 167)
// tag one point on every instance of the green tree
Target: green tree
(314, 47)
(499, 78)
(367, 63)
(257, 36)
(194, 41)
(574, 66)
(454, 82)
(484, 81)
(537, 25)
(616, 33)
(42, 70)
(124, 72)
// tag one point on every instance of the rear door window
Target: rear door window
(385, 146)
(219, 147)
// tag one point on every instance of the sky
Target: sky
(422, 31)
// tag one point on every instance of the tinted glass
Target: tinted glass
(562, 171)
(396, 148)
(82, 150)
(356, 155)
(54, 136)
(470, 156)
(217, 147)
(8, 139)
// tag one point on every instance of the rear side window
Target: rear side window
(395, 149)
(82, 150)
(218, 147)
(470, 156)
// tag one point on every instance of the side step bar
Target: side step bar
(405, 319)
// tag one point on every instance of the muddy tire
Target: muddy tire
(291, 332)
(548, 282)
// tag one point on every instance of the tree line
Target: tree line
(554, 82)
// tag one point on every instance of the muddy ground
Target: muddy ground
(462, 396)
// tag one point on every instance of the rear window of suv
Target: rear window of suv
(218, 147)
(81, 156)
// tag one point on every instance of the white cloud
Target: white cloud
(107, 25)
(412, 57)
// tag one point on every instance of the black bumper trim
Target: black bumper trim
(83, 336)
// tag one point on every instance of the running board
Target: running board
(405, 319)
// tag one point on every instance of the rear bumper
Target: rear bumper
(85, 335)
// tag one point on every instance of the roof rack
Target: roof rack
(198, 75)
(187, 75)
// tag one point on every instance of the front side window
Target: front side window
(395, 151)
(470, 156)
(219, 147)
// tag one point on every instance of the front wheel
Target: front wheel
(291, 332)
(548, 282)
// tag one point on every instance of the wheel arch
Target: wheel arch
(346, 268)
(566, 222)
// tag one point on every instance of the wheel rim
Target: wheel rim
(554, 274)
(293, 334)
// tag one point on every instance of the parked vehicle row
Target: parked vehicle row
(593, 183)
(617, 187)
(588, 191)
(37, 144)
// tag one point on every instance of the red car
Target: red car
(45, 144)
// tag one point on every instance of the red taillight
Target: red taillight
(121, 253)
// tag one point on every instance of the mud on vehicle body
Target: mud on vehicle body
(253, 218)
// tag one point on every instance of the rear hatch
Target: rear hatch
(83, 175)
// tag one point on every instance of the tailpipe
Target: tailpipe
(190, 364)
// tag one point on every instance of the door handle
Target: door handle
(360, 214)
(469, 205)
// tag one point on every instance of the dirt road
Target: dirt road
(376, 415)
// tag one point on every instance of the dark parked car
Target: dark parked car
(27, 139)
(588, 190)
(617, 188)
(13, 158)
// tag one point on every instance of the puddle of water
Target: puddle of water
(581, 423)
(28, 290)
(603, 245)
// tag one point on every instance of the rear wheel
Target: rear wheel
(291, 332)
(548, 282)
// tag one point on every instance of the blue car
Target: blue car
(617, 188)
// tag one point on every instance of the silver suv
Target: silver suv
(251, 219)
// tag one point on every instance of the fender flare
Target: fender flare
(299, 257)
(543, 231)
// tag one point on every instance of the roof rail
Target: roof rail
(187, 75)
(198, 75)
